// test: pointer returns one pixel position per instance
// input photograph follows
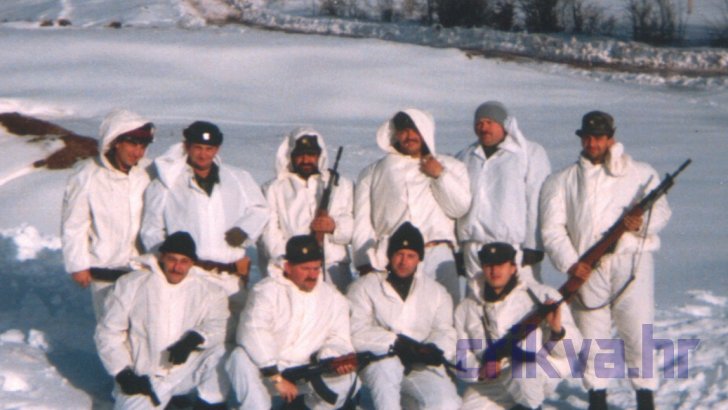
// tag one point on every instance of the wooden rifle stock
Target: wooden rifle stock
(504, 346)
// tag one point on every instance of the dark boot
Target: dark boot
(203, 405)
(598, 399)
(645, 400)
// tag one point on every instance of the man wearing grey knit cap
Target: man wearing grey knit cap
(506, 173)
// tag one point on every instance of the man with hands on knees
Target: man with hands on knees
(501, 299)
(163, 329)
(292, 318)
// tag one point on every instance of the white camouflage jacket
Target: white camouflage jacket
(102, 206)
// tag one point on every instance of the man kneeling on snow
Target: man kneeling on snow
(501, 298)
(162, 331)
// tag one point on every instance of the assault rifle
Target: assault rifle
(314, 371)
(507, 345)
(323, 206)
(240, 267)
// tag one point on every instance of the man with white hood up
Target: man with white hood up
(290, 317)
(402, 310)
(411, 183)
(162, 331)
(578, 205)
(102, 205)
(506, 173)
(221, 206)
(294, 196)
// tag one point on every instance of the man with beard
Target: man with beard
(162, 333)
(580, 203)
(102, 205)
(221, 206)
(411, 183)
(403, 309)
(294, 196)
(506, 173)
(290, 317)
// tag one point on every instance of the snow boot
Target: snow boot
(645, 400)
(598, 399)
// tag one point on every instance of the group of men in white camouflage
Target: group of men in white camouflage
(163, 248)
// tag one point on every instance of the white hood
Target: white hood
(425, 125)
(283, 156)
(114, 124)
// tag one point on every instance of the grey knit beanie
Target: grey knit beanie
(493, 110)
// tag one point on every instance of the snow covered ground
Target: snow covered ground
(167, 64)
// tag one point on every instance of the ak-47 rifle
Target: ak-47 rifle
(323, 206)
(240, 267)
(314, 371)
(506, 345)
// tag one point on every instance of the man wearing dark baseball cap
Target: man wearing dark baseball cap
(502, 301)
(577, 205)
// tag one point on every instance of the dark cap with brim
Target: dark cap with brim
(303, 248)
(307, 144)
(142, 135)
(596, 123)
(203, 132)
(496, 253)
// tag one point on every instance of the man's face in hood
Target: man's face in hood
(305, 164)
(201, 156)
(127, 153)
(489, 132)
(409, 142)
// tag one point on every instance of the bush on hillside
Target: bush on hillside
(657, 22)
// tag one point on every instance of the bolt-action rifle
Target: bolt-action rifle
(504, 346)
(314, 371)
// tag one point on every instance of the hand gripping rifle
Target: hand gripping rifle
(314, 371)
(507, 345)
(323, 206)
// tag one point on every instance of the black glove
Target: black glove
(180, 350)
(132, 384)
(235, 236)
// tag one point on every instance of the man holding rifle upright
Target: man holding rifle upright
(295, 198)
(221, 206)
(580, 203)
(293, 318)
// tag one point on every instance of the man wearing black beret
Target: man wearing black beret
(221, 206)
(289, 318)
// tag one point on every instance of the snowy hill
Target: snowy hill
(167, 63)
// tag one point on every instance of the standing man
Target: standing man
(579, 204)
(102, 205)
(411, 183)
(402, 309)
(502, 300)
(290, 318)
(163, 329)
(506, 173)
(219, 205)
(294, 197)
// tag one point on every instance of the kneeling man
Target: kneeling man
(289, 320)
(501, 300)
(162, 331)
(407, 311)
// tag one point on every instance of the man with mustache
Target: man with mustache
(294, 196)
(163, 331)
(580, 203)
(411, 183)
(102, 204)
(291, 316)
(506, 173)
(220, 205)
